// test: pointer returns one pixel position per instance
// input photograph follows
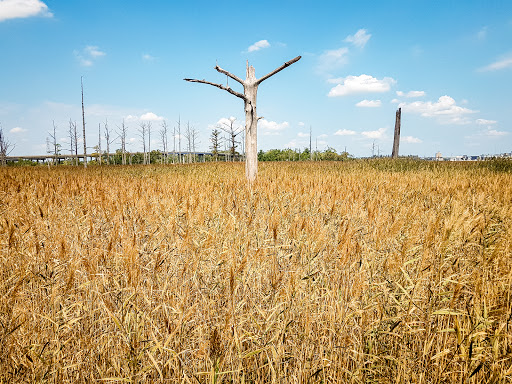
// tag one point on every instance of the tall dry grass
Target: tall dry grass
(352, 272)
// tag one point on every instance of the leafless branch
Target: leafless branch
(287, 64)
(236, 78)
(228, 89)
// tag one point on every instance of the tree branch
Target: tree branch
(228, 89)
(287, 64)
(236, 78)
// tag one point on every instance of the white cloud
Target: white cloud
(485, 122)
(495, 133)
(410, 140)
(302, 134)
(369, 104)
(344, 132)
(150, 116)
(332, 59)
(497, 65)
(14, 9)
(94, 51)
(378, 134)
(301, 124)
(445, 110)
(259, 45)
(482, 33)
(147, 57)
(225, 122)
(411, 94)
(17, 130)
(88, 54)
(272, 127)
(359, 39)
(361, 84)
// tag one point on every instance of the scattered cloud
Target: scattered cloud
(498, 65)
(359, 39)
(378, 134)
(494, 133)
(225, 122)
(332, 59)
(150, 116)
(18, 130)
(482, 34)
(411, 94)
(302, 134)
(445, 109)
(148, 57)
(259, 45)
(272, 127)
(87, 56)
(485, 122)
(361, 84)
(410, 140)
(344, 132)
(369, 104)
(18, 9)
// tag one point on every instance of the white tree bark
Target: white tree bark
(249, 96)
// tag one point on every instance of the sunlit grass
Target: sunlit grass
(324, 272)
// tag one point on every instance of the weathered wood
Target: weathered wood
(249, 96)
(396, 140)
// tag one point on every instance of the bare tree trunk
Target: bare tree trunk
(5, 148)
(142, 134)
(163, 136)
(83, 123)
(99, 143)
(108, 140)
(396, 141)
(179, 139)
(249, 96)
(76, 143)
(54, 144)
(149, 141)
(122, 135)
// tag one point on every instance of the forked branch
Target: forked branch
(228, 89)
(234, 77)
(287, 64)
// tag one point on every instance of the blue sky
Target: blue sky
(448, 65)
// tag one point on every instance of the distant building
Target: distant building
(439, 157)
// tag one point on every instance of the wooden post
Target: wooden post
(249, 97)
(396, 141)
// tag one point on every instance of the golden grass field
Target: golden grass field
(353, 272)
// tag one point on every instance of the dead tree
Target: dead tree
(122, 135)
(142, 135)
(99, 143)
(396, 141)
(108, 139)
(233, 132)
(163, 136)
(83, 122)
(54, 144)
(148, 126)
(249, 96)
(179, 139)
(5, 148)
(73, 138)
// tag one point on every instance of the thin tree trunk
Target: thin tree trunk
(396, 141)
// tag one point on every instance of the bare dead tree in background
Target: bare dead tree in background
(163, 136)
(195, 141)
(179, 140)
(142, 135)
(233, 132)
(99, 143)
(73, 138)
(108, 139)
(5, 147)
(148, 127)
(54, 144)
(83, 122)
(188, 137)
(249, 96)
(123, 132)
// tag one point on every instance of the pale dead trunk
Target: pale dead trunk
(251, 118)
